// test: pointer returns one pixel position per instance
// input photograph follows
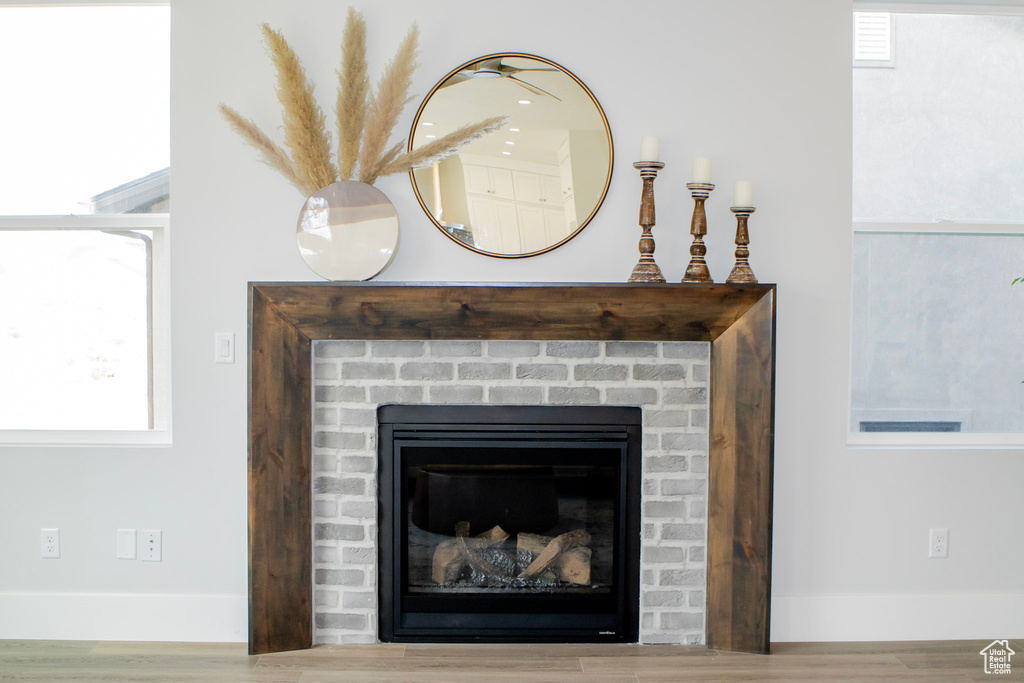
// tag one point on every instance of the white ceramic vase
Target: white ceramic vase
(348, 231)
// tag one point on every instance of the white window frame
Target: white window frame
(1010, 7)
(941, 440)
(158, 224)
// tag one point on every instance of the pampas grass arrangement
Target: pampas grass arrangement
(365, 120)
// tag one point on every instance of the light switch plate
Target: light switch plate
(224, 347)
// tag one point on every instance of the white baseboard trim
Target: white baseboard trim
(124, 616)
(224, 618)
(830, 618)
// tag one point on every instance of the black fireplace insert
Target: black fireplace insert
(509, 523)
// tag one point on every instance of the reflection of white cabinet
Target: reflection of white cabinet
(565, 178)
(527, 186)
(508, 221)
(551, 187)
(540, 227)
(486, 180)
(531, 227)
(495, 225)
(514, 211)
(555, 225)
(537, 188)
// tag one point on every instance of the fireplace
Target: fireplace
(737, 320)
(509, 523)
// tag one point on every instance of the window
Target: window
(83, 224)
(938, 197)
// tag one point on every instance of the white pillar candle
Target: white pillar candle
(701, 170)
(650, 148)
(743, 194)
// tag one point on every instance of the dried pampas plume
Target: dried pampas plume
(435, 150)
(270, 152)
(353, 92)
(366, 120)
(305, 126)
(387, 105)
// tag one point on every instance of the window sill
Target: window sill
(940, 440)
(53, 437)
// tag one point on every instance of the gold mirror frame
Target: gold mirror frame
(593, 100)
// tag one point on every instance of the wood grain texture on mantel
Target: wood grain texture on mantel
(649, 312)
(738, 320)
(280, 495)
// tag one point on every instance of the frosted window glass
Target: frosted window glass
(85, 105)
(940, 136)
(74, 330)
(937, 331)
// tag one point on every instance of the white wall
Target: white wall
(763, 88)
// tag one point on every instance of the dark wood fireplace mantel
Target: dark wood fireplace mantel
(738, 320)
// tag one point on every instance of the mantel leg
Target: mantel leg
(280, 492)
(740, 482)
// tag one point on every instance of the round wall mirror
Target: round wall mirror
(532, 185)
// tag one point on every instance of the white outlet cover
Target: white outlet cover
(150, 548)
(938, 543)
(126, 544)
(49, 543)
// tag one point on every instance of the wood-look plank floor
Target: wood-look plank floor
(933, 661)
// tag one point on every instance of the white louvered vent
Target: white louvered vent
(872, 36)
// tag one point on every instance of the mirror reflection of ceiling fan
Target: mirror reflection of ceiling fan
(493, 68)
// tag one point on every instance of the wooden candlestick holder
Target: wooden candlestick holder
(647, 270)
(741, 272)
(698, 271)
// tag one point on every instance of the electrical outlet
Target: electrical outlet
(151, 541)
(938, 543)
(126, 544)
(49, 543)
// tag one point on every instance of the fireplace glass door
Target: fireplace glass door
(509, 523)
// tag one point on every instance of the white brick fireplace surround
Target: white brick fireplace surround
(669, 380)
